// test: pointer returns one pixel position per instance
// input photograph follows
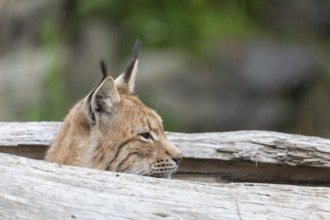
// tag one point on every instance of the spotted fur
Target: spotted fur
(111, 129)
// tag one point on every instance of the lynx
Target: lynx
(111, 129)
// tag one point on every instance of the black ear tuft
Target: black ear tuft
(104, 69)
(136, 49)
(136, 53)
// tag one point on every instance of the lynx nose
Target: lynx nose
(178, 158)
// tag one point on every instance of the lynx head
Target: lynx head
(111, 129)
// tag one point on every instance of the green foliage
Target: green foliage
(54, 103)
(192, 25)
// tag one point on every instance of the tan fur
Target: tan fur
(107, 129)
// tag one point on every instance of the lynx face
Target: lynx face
(111, 129)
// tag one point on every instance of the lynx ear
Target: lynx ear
(126, 81)
(104, 97)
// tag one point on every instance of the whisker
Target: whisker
(169, 174)
(143, 171)
(146, 171)
(158, 104)
(139, 171)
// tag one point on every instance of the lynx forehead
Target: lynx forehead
(111, 129)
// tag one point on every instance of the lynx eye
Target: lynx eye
(146, 136)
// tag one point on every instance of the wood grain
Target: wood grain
(241, 156)
(32, 189)
(254, 146)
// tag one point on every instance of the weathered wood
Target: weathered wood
(255, 146)
(254, 156)
(32, 189)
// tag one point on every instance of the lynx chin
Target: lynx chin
(111, 129)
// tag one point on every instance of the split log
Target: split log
(32, 189)
(253, 156)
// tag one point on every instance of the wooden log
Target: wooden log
(254, 146)
(28, 139)
(254, 156)
(32, 189)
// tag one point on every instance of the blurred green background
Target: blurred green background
(213, 65)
